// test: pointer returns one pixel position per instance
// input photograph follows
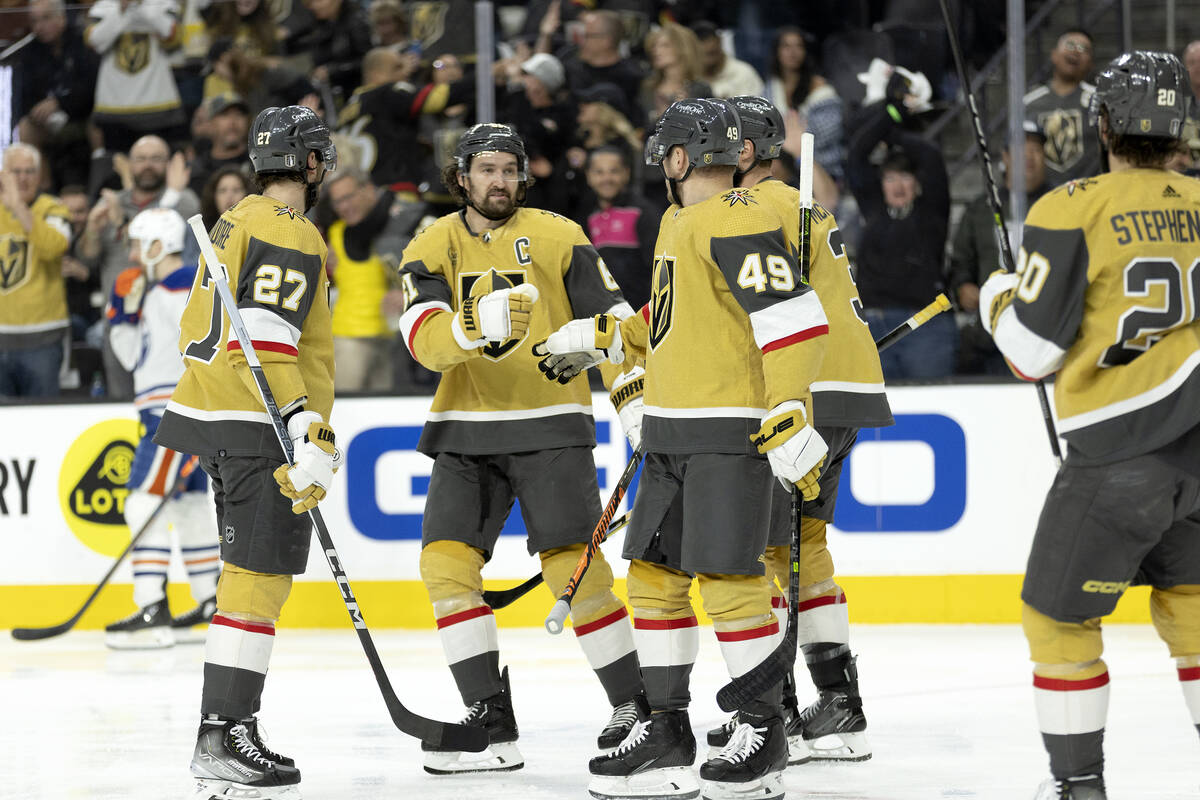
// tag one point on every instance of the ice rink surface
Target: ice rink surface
(950, 711)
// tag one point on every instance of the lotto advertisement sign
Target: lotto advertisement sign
(934, 518)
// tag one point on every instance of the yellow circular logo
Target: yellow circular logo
(91, 484)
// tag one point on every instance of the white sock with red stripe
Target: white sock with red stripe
(823, 619)
(666, 649)
(607, 644)
(1066, 707)
(1189, 681)
(472, 646)
(745, 648)
(236, 655)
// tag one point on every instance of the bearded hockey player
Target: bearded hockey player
(733, 331)
(143, 318)
(275, 259)
(1105, 299)
(481, 286)
(848, 394)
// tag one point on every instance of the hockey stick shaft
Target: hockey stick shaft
(447, 735)
(30, 634)
(558, 615)
(1006, 253)
(500, 598)
(778, 664)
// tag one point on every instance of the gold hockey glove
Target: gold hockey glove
(316, 458)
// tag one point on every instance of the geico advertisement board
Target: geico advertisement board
(954, 487)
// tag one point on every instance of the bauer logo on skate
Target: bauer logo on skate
(91, 484)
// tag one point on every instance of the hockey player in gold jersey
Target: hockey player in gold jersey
(848, 394)
(1106, 297)
(733, 338)
(34, 233)
(275, 260)
(481, 285)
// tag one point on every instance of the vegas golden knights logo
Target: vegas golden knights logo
(477, 285)
(662, 299)
(133, 52)
(1064, 136)
(14, 262)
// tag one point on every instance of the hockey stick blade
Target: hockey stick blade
(770, 671)
(500, 598)
(33, 634)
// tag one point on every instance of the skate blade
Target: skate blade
(665, 782)
(145, 639)
(840, 747)
(215, 789)
(798, 751)
(499, 757)
(768, 787)
(195, 635)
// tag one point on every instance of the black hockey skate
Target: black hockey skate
(496, 715)
(751, 764)
(147, 628)
(834, 728)
(1084, 787)
(798, 751)
(260, 741)
(654, 761)
(190, 627)
(624, 717)
(228, 764)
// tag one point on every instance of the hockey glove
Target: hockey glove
(580, 344)
(626, 398)
(995, 295)
(125, 300)
(494, 317)
(316, 459)
(792, 447)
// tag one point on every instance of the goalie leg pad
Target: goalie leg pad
(664, 629)
(600, 620)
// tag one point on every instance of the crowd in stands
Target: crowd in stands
(123, 105)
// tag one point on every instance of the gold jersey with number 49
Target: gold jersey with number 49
(275, 259)
(1109, 299)
(733, 329)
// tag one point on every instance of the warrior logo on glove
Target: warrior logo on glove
(479, 284)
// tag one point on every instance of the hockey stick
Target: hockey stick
(31, 634)
(776, 666)
(442, 734)
(558, 614)
(499, 598)
(994, 201)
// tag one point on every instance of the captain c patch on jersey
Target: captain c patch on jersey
(477, 284)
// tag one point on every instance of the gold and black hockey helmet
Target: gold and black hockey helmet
(709, 130)
(1144, 93)
(281, 138)
(490, 137)
(762, 124)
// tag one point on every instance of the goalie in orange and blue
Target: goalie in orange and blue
(1106, 297)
